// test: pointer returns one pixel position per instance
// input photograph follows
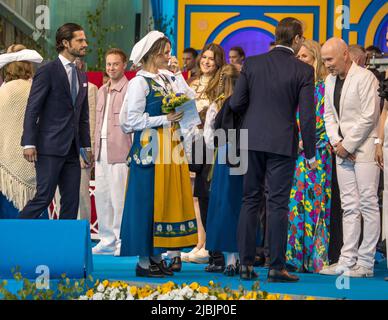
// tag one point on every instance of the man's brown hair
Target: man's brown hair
(118, 52)
(287, 30)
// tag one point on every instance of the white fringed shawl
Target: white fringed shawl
(17, 176)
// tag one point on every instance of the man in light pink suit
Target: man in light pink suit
(111, 150)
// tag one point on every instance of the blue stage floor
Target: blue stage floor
(115, 268)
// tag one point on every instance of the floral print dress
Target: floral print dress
(310, 200)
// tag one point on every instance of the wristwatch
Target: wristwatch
(378, 141)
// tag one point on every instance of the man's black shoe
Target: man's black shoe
(281, 276)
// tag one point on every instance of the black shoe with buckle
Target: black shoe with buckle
(175, 264)
(248, 273)
(163, 267)
(152, 272)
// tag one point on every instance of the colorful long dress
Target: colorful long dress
(159, 209)
(310, 201)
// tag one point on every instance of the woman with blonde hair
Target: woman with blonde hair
(17, 177)
(310, 200)
(206, 87)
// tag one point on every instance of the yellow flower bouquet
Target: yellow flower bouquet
(172, 101)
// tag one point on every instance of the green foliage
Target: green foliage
(162, 24)
(98, 32)
(66, 289)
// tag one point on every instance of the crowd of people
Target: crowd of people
(315, 149)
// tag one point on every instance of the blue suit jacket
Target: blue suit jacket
(271, 88)
(51, 120)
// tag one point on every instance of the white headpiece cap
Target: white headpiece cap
(144, 45)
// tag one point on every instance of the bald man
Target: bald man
(351, 118)
(358, 54)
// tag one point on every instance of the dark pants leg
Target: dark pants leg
(263, 249)
(47, 169)
(251, 203)
(50, 172)
(278, 172)
(69, 186)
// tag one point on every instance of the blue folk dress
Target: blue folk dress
(159, 210)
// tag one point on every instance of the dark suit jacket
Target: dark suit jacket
(51, 121)
(270, 89)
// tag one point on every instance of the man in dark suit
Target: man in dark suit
(269, 91)
(56, 126)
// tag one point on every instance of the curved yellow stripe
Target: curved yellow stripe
(244, 24)
(376, 20)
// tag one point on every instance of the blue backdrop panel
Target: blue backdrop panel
(62, 246)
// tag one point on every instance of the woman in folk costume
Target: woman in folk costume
(226, 190)
(159, 210)
(310, 200)
(17, 176)
(210, 62)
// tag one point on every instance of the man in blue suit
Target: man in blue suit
(56, 126)
(269, 91)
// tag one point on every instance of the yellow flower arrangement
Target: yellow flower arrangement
(168, 291)
(172, 101)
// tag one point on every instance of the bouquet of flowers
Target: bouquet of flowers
(172, 101)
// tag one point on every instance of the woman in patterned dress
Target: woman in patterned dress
(309, 216)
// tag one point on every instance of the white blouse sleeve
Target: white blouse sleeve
(208, 130)
(133, 116)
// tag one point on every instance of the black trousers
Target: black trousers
(263, 249)
(53, 172)
(278, 172)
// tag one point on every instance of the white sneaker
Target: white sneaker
(202, 257)
(185, 256)
(335, 269)
(117, 252)
(359, 272)
(100, 250)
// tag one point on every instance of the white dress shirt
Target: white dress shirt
(66, 64)
(104, 130)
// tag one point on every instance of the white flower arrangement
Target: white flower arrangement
(191, 224)
(169, 227)
(171, 291)
(159, 228)
(183, 228)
